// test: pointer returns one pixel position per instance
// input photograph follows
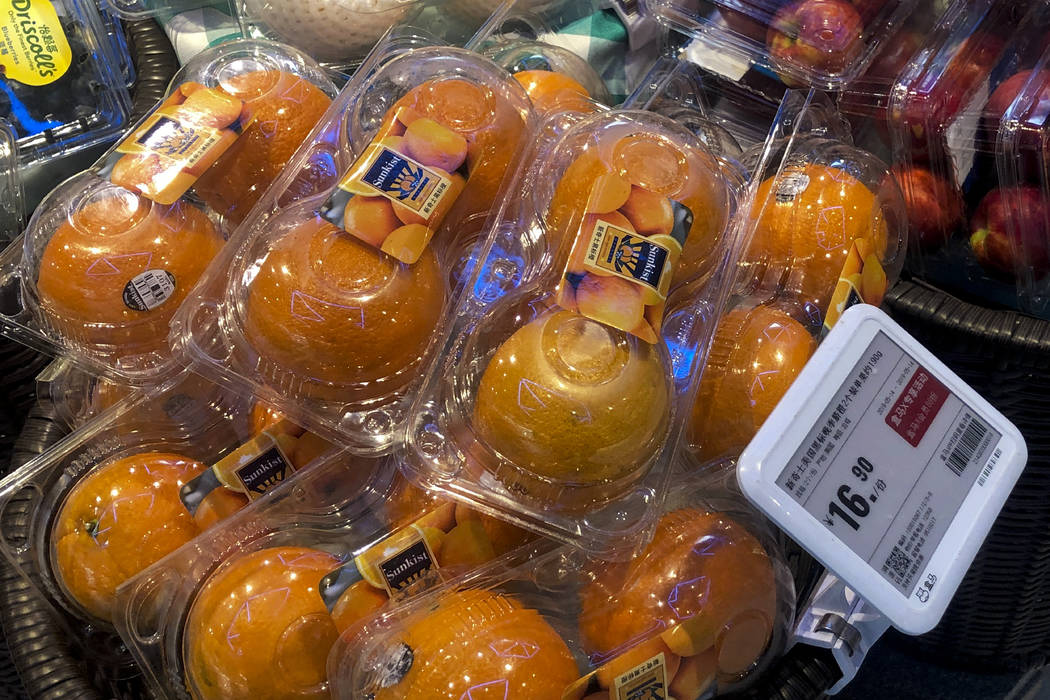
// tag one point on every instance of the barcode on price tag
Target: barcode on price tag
(899, 472)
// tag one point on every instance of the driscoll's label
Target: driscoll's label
(33, 48)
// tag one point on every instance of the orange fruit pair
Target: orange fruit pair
(259, 629)
(115, 270)
(550, 91)
(348, 322)
(280, 111)
(754, 358)
(569, 400)
(703, 584)
(476, 644)
(121, 517)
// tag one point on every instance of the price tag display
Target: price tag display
(886, 466)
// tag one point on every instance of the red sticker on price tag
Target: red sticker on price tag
(917, 406)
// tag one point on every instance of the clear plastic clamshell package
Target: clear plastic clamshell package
(704, 606)
(965, 118)
(111, 252)
(556, 396)
(63, 86)
(328, 309)
(806, 43)
(77, 395)
(103, 503)
(826, 230)
(251, 608)
(555, 77)
(12, 208)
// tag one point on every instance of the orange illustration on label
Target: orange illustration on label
(620, 268)
(178, 142)
(396, 194)
(862, 281)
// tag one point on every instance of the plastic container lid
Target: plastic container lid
(808, 43)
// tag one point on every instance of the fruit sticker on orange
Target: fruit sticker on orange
(862, 281)
(620, 268)
(166, 154)
(396, 194)
(33, 48)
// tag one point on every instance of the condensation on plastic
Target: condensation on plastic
(89, 104)
(239, 611)
(954, 115)
(711, 593)
(807, 43)
(187, 416)
(366, 413)
(798, 245)
(612, 503)
(64, 285)
(12, 207)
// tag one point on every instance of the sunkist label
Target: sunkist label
(255, 467)
(33, 48)
(645, 681)
(177, 143)
(620, 276)
(404, 171)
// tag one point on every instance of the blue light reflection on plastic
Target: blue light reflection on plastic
(491, 284)
(20, 114)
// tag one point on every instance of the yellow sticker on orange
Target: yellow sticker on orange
(33, 48)
(862, 281)
(645, 681)
(401, 560)
(396, 194)
(166, 154)
(256, 466)
(620, 269)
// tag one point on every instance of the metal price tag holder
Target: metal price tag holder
(889, 470)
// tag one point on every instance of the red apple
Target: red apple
(868, 9)
(934, 206)
(935, 100)
(1011, 224)
(822, 35)
(1033, 118)
(749, 19)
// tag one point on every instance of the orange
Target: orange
(265, 417)
(476, 644)
(700, 576)
(755, 356)
(307, 448)
(359, 601)
(569, 399)
(90, 267)
(120, 518)
(259, 629)
(493, 129)
(406, 502)
(503, 535)
(218, 505)
(349, 322)
(551, 91)
(810, 221)
(282, 109)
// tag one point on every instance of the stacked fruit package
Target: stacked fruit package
(329, 308)
(805, 43)
(555, 398)
(63, 83)
(251, 608)
(701, 607)
(111, 252)
(965, 119)
(826, 230)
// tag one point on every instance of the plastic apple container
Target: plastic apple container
(947, 112)
(329, 309)
(701, 608)
(70, 92)
(555, 398)
(251, 608)
(112, 252)
(1023, 201)
(807, 43)
(826, 229)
